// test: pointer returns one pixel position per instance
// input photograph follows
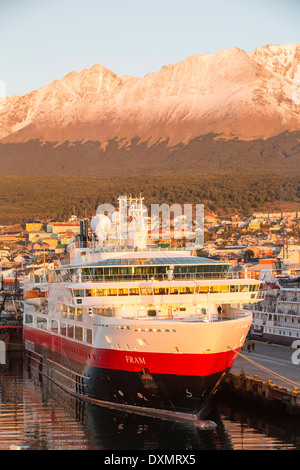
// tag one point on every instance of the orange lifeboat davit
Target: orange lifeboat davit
(35, 297)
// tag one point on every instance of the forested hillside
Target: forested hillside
(205, 154)
(47, 197)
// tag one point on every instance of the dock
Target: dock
(269, 375)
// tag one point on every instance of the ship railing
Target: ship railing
(225, 316)
(79, 276)
(284, 324)
(95, 245)
(219, 318)
(230, 314)
(163, 277)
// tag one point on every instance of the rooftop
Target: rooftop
(195, 260)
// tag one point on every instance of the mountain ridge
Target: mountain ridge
(231, 93)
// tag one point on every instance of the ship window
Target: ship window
(203, 289)
(54, 326)
(214, 289)
(64, 311)
(79, 314)
(89, 336)
(174, 290)
(224, 289)
(78, 292)
(63, 329)
(134, 291)
(42, 323)
(112, 291)
(79, 333)
(71, 313)
(151, 313)
(100, 292)
(123, 292)
(146, 290)
(70, 331)
(187, 290)
(234, 288)
(160, 290)
(28, 318)
(244, 288)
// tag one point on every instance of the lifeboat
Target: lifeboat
(35, 297)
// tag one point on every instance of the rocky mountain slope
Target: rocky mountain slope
(232, 93)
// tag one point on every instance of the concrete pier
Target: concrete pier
(269, 374)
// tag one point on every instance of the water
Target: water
(37, 415)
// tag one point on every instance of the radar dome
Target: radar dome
(100, 223)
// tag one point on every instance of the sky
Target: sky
(41, 41)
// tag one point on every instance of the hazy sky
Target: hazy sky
(45, 40)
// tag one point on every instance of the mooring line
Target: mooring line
(265, 369)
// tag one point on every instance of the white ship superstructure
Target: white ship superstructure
(277, 318)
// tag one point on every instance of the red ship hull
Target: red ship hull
(158, 381)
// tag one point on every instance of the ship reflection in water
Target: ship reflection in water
(37, 415)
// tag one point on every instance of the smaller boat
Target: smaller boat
(35, 297)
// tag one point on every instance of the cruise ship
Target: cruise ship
(277, 317)
(142, 329)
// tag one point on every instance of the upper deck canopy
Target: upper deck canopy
(176, 261)
(153, 261)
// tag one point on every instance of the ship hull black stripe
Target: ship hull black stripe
(174, 393)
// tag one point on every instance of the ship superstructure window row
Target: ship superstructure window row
(114, 292)
(62, 328)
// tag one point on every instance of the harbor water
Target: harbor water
(37, 415)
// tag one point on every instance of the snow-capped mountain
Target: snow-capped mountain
(231, 92)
